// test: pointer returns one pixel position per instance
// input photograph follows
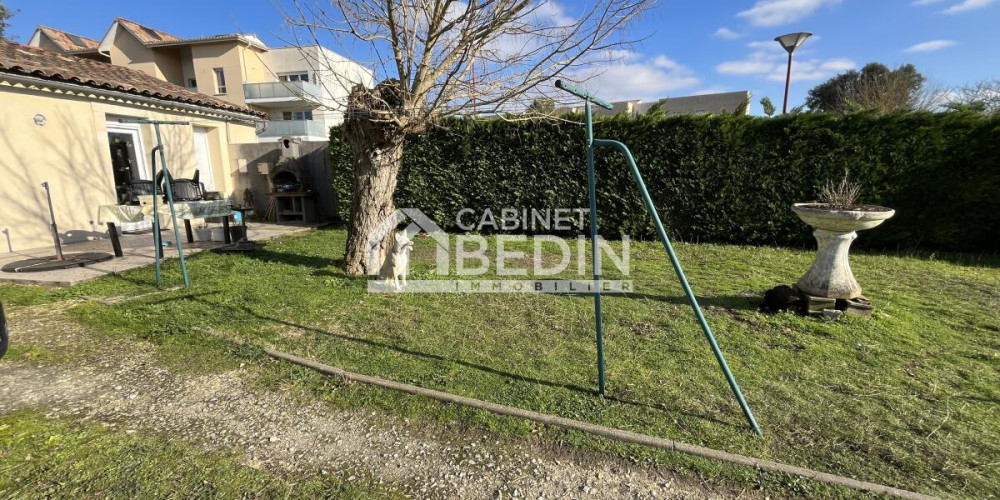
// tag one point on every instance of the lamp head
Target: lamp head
(792, 41)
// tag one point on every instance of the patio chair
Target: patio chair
(128, 194)
(183, 189)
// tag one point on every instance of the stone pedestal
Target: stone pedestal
(830, 274)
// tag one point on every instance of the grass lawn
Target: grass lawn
(908, 397)
(43, 458)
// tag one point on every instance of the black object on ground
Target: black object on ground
(4, 334)
(52, 263)
(242, 245)
(781, 298)
(788, 298)
(238, 233)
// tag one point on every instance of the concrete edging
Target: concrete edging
(599, 430)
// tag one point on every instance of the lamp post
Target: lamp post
(790, 42)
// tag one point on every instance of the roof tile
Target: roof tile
(145, 34)
(68, 41)
(33, 61)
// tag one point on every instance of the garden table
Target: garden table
(185, 210)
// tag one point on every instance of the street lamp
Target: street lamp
(790, 42)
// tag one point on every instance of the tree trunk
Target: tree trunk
(377, 151)
(375, 169)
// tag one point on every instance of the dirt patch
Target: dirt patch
(121, 384)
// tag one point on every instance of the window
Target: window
(192, 83)
(76, 40)
(220, 81)
(296, 115)
(152, 33)
(294, 77)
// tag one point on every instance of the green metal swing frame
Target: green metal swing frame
(592, 144)
(157, 243)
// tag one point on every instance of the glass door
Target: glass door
(128, 164)
(203, 152)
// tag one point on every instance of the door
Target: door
(127, 159)
(128, 163)
(204, 158)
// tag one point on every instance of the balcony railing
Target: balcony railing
(280, 128)
(282, 91)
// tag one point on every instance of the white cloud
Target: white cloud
(750, 66)
(662, 61)
(650, 79)
(550, 13)
(930, 46)
(814, 69)
(967, 5)
(772, 64)
(727, 34)
(622, 55)
(778, 12)
(764, 44)
(547, 20)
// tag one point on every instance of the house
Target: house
(60, 120)
(728, 102)
(67, 43)
(724, 102)
(300, 89)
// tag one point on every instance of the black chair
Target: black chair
(186, 190)
(129, 193)
(183, 189)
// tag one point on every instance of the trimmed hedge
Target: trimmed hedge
(717, 178)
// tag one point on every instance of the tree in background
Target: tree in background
(768, 106)
(5, 15)
(875, 87)
(982, 97)
(439, 58)
(657, 109)
(743, 108)
(544, 106)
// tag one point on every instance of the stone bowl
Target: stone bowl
(842, 221)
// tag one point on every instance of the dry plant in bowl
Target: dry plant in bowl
(840, 195)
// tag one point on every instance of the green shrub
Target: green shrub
(717, 178)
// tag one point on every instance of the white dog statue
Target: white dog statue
(397, 263)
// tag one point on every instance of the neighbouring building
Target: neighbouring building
(60, 121)
(301, 90)
(728, 102)
(67, 43)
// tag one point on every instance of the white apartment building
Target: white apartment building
(728, 102)
(305, 91)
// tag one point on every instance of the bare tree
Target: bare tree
(893, 91)
(982, 97)
(439, 58)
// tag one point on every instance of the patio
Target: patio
(138, 252)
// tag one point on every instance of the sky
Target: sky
(687, 46)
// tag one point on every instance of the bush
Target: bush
(717, 178)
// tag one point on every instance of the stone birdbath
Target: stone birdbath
(835, 228)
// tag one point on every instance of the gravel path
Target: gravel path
(129, 389)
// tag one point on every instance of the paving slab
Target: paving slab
(137, 250)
